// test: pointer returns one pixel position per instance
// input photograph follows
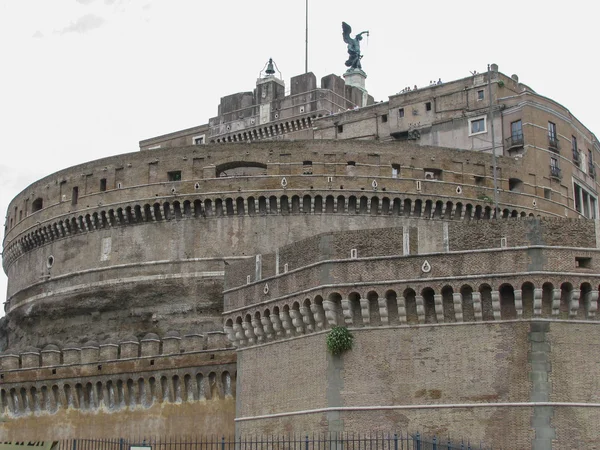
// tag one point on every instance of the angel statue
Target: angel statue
(354, 55)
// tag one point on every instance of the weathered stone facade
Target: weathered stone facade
(124, 272)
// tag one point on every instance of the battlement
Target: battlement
(129, 348)
(414, 238)
(113, 376)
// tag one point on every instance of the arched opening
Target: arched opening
(354, 298)
(466, 292)
(228, 207)
(374, 314)
(251, 206)
(515, 185)
(176, 389)
(584, 301)
(469, 212)
(329, 204)
(212, 383)
(411, 306)
(176, 210)
(37, 204)
(219, 210)
(547, 297)
(307, 316)
(363, 207)
(527, 296)
(273, 204)
(487, 215)
(208, 208)
(306, 204)
(448, 304)
(448, 211)
(295, 204)
(566, 294)
(318, 204)
(341, 204)
(385, 206)
(226, 382)
(352, 205)
(486, 302)
(335, 300)
(391, 300)
(241, 169)
(239, 206)
(439, 207)
(429, 304)
(200, 387)
(262, 205)
(407, 207)
(507, 302)
(187, 209)
(285, 206)
(458, 212)
(427, 214)
(418, 208)
(374, 206)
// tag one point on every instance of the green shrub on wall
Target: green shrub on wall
(339, 339)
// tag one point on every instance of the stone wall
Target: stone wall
(407, 368)
(129, 389)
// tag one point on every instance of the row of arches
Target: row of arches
(266, 132)
(407, 305)
(116, 394)
(252, 206)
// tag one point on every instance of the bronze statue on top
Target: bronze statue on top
(354, 55)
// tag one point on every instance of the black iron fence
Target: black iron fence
(328, 441)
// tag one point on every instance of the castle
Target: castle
(188, 287)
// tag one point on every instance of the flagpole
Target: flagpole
(306, 42)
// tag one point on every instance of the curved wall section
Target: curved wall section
(142, 239)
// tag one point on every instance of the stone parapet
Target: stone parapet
(129, 349)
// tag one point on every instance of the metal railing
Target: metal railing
(555, 172)
(326, 441)
(553, 143)
(516, 140)
(576, 156)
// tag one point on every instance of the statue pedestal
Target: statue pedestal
(356, 78)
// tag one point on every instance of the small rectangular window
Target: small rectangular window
(583, 262)
(552, 131)
(353, 253)
(198, 140)
(401, 112)
(340, 128)
(75, 195)
(480, 94)
(175, 175)
(384, 118)
(547, 193)
(395, 170)
(477, 126)
(428, 106)
(103, 184)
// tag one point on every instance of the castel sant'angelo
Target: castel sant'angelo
(189, 287)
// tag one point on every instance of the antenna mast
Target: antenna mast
(306, 42)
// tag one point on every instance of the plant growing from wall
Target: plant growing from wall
(339, 339)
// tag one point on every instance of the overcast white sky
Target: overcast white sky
(84, 79)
